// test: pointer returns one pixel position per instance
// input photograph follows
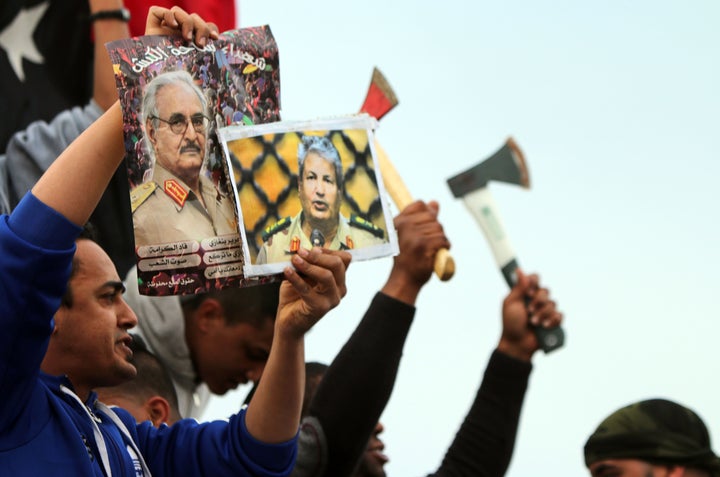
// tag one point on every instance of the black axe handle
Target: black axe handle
(549, 339)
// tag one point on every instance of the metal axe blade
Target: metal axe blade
(506, 165)
(380, 99)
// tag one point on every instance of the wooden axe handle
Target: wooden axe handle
(444, 263)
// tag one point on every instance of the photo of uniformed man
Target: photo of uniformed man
(178, 203)
(319, 222)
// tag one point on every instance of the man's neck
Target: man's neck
(328, 228)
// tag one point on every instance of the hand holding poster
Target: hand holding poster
(173, 96)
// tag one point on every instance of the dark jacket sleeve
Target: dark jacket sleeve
(484, 444)
(358, 383)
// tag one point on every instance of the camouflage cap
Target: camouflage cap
(656, 431)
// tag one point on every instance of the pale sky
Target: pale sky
(616, 107)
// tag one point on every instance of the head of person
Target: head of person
(174, 112)
(90, 341)
(373, 460)
(320, 180)
(230, 332)
(653, 438)
(151, 395)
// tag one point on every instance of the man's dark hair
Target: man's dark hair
(251, 305)
(88, 233)
(314, 373)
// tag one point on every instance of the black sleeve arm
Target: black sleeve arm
(484, 444)
(358, 383)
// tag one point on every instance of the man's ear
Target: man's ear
(150, 130)
(158, 409)
(209, 315)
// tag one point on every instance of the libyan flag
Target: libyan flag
(46, 53)
(45, 61)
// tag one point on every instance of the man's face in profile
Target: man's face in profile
(373, 459)
(179, 138)
(93, 330)
(318, 189)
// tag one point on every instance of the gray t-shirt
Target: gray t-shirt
(31, 151)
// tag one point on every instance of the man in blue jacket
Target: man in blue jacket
(65, 328)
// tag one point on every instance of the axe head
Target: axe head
(506, 165)
(380, 98)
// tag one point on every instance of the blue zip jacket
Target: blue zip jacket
(45, 429)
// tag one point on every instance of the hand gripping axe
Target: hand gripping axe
(506, 165)
(380, 99)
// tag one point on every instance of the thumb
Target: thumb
(521, 284)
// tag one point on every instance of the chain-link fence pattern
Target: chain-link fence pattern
(266, 175)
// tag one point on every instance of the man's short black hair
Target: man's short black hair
(314, 374)
(253, 305)
(88, 232)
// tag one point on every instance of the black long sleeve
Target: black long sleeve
(358, 384)
(484, 444)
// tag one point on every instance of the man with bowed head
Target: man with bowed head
(65, 328)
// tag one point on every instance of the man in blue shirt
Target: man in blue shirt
(65, 332)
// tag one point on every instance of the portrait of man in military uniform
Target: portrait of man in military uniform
(179, 202)
(319, 222)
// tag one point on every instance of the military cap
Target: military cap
(657, 431)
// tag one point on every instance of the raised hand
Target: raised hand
(311, 289)
(518, 339)
(420, 236)
(164, 21)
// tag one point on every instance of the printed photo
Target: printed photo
(308, 183)
(174, 98)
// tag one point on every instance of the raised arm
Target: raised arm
(358, 383)
(105, 30)
(74, 183)
(485, 441)
(315, 286)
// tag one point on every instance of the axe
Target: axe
(380, 99)
(506, 165)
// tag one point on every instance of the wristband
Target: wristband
(122, 14)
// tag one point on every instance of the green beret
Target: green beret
(655, 431)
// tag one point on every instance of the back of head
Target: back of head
(152, 380)
(657, 431)
(251, 305)
(314, 373)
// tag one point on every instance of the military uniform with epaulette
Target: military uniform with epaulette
(285, 237)
(166, 210)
